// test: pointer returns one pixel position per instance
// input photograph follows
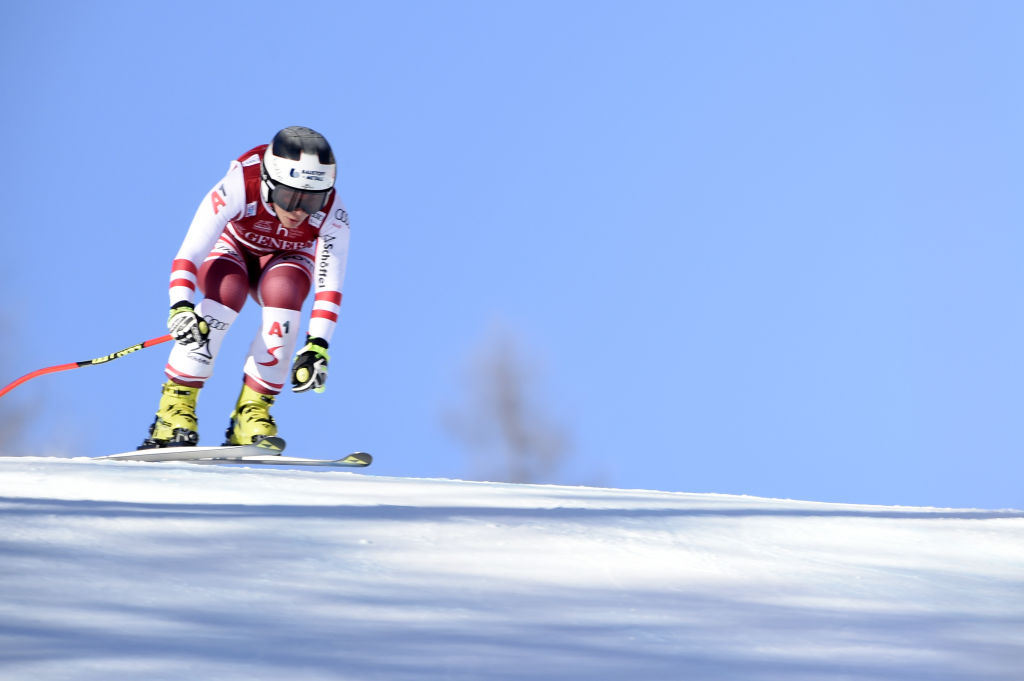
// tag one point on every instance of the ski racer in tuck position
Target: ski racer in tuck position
(273, 228)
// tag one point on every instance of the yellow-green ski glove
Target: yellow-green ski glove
(185, 325)
(310, 368)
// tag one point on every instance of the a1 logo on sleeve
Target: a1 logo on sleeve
(217, 197)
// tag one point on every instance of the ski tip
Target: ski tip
(271, 445)
(357, 459)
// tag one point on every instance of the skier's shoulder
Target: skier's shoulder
(335, 210)
(249, 163)
(253, 156)
(243, 174)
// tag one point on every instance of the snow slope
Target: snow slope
(173, 571)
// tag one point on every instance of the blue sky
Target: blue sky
(753, 248)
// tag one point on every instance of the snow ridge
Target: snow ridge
(124, 570)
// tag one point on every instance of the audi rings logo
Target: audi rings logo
(341, 215)
(216, 323)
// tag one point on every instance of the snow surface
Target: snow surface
(126, 570)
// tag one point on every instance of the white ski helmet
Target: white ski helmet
(298, 170)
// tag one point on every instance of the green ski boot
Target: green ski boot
(175, 424)
(251, 420)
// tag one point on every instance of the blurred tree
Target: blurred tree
(501, 423)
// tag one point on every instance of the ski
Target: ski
(270, 445)
(265, 452)
(354, 460)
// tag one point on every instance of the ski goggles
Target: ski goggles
(290, 199)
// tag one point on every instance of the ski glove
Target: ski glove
(310, 367)
(185, 325)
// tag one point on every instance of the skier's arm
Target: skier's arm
(222, 203)
(309, 371)
(329, 272)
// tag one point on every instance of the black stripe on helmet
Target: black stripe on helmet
(292, 141)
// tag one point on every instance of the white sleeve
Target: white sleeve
(224, 202)
(329, 273)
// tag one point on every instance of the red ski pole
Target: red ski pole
(89, 362)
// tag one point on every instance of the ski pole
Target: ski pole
(89, 362)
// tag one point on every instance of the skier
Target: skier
(273, 228)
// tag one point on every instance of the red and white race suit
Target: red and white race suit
(236, 247)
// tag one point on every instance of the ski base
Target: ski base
(354, 460)
(265, 452)
(269, 445)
